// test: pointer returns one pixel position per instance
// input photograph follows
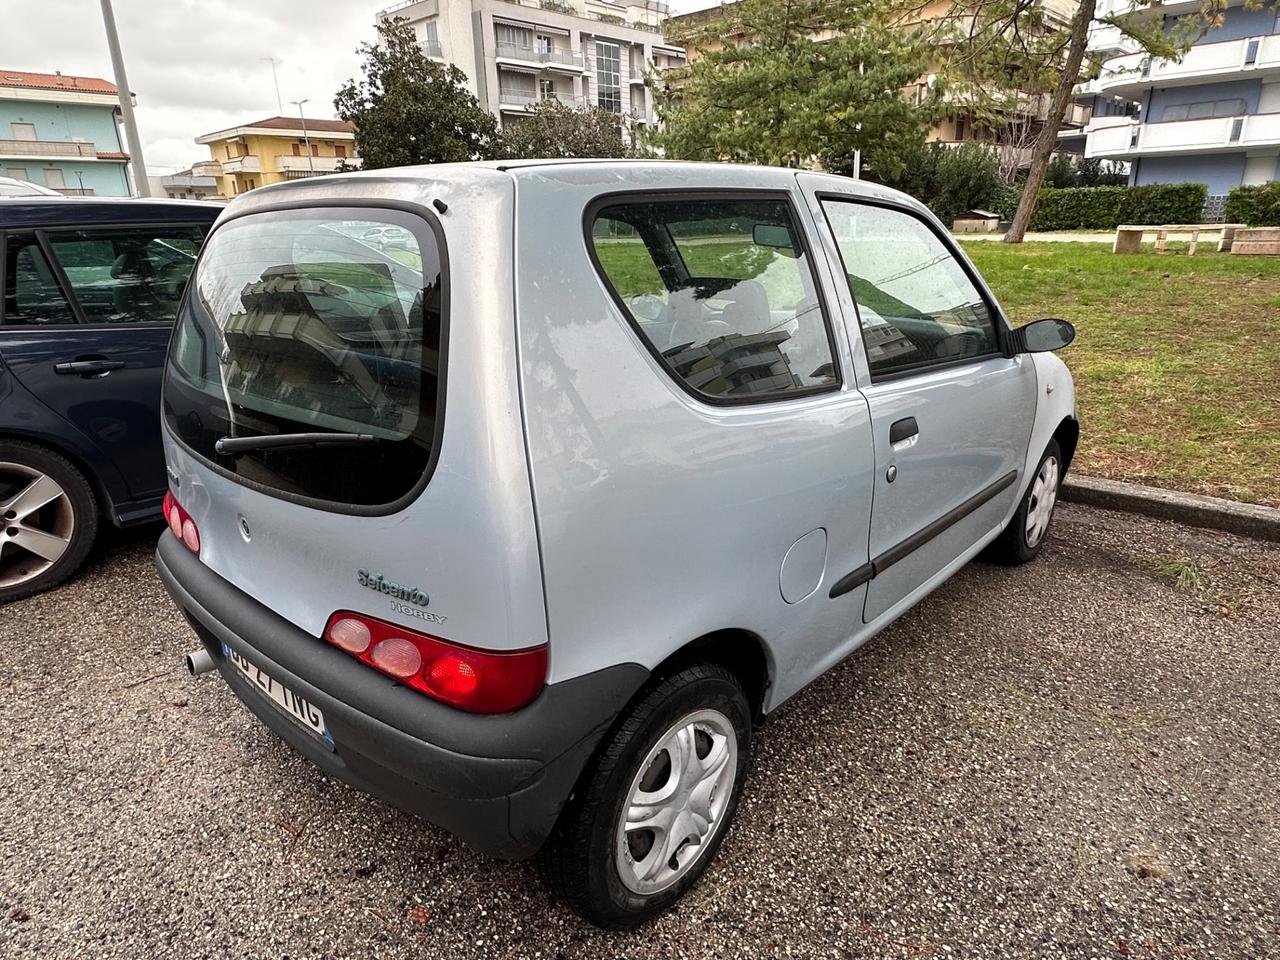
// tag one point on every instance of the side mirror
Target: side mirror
(1042, 336)
(773, 235)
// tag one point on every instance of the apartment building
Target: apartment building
(1013, 141)
(1212, 117)
(61, 131)
(200, 181)
(518, 52)
(270, 151)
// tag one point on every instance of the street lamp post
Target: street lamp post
(126, 103)
(311, 162)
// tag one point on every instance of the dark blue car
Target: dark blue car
(90, 290)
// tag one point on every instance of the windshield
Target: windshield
(311, 321)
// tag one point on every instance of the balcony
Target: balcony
(304, 166)
(75, 191)
(55, 149)
(568, 10)
(432, 49)
(1121, 138)
(552, 59)
(1130, 75)
(246, 164)
(186, 181)
(517, 98)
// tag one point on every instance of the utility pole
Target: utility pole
(311, 160)
(126, 103)
(276, 80)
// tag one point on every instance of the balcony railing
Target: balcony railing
(247, 164)
(75, 191)
(303, 164)
(557, 6)
(1202, 62)
(516, 51)
(433, 49)
(1121, 137)
(520, 97)
(188, 181)
(47, 148)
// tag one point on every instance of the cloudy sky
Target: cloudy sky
(198, 65)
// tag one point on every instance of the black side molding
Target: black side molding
(852, 580)
(868, 571)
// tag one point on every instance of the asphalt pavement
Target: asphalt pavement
(1076, 758)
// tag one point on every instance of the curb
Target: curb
(1244, 519)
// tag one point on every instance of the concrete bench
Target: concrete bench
(1258, 241)
(1129, 238)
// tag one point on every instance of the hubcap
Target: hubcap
(676, 803)
(1044, 494)
(36, 523)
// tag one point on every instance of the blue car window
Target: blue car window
(133, 275)
(31, 292)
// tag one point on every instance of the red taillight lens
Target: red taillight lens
(180, 523)
(479, 681)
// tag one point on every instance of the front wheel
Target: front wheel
(1021, 541)
(652, 810)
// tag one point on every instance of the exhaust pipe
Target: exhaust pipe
(198, 661)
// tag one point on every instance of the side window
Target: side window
(916, 305)
(128, 275)
(723, 292)
(31, 293)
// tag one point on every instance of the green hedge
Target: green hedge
(1257, 206)
(1104, 208)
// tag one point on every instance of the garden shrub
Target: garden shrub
(1105, 208)
(1257, 206)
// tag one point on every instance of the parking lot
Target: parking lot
(1075, 758)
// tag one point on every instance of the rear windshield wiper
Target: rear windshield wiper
(230, 446)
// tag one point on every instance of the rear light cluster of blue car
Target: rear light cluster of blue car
(180, 522)
(478, 681)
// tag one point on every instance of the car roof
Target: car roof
(425, 182)
(28, 212)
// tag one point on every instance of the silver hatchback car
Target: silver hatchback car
(524, 523)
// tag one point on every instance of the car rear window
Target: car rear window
(314, 321)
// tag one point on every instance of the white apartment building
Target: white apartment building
(517, 52)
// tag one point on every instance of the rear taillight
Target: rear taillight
(478, 681)
(180, 523)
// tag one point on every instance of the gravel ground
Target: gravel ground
(1076, 758)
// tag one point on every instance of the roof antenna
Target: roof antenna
(439, 204)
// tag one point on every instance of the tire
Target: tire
(61, 508)
(1021, 540)
(590, 860)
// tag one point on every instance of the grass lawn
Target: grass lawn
(1176, 361)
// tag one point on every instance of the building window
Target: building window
(513, 41)
(608, 76)
(1204, 110)
(547, 89)
(339, 150)
(23, 131)
(18, 173)
(53, 178)
(959, 130)
(545, 44)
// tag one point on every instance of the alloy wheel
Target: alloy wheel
(1044, 494)
(677, 801)
(36, 523)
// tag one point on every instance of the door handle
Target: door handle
(903, 429)
(88, 368)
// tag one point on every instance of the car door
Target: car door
(85, 326)
(951, 408)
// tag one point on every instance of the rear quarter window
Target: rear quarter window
(319, 321)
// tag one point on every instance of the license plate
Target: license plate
(285, 699)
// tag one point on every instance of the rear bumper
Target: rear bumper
(496, 782)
